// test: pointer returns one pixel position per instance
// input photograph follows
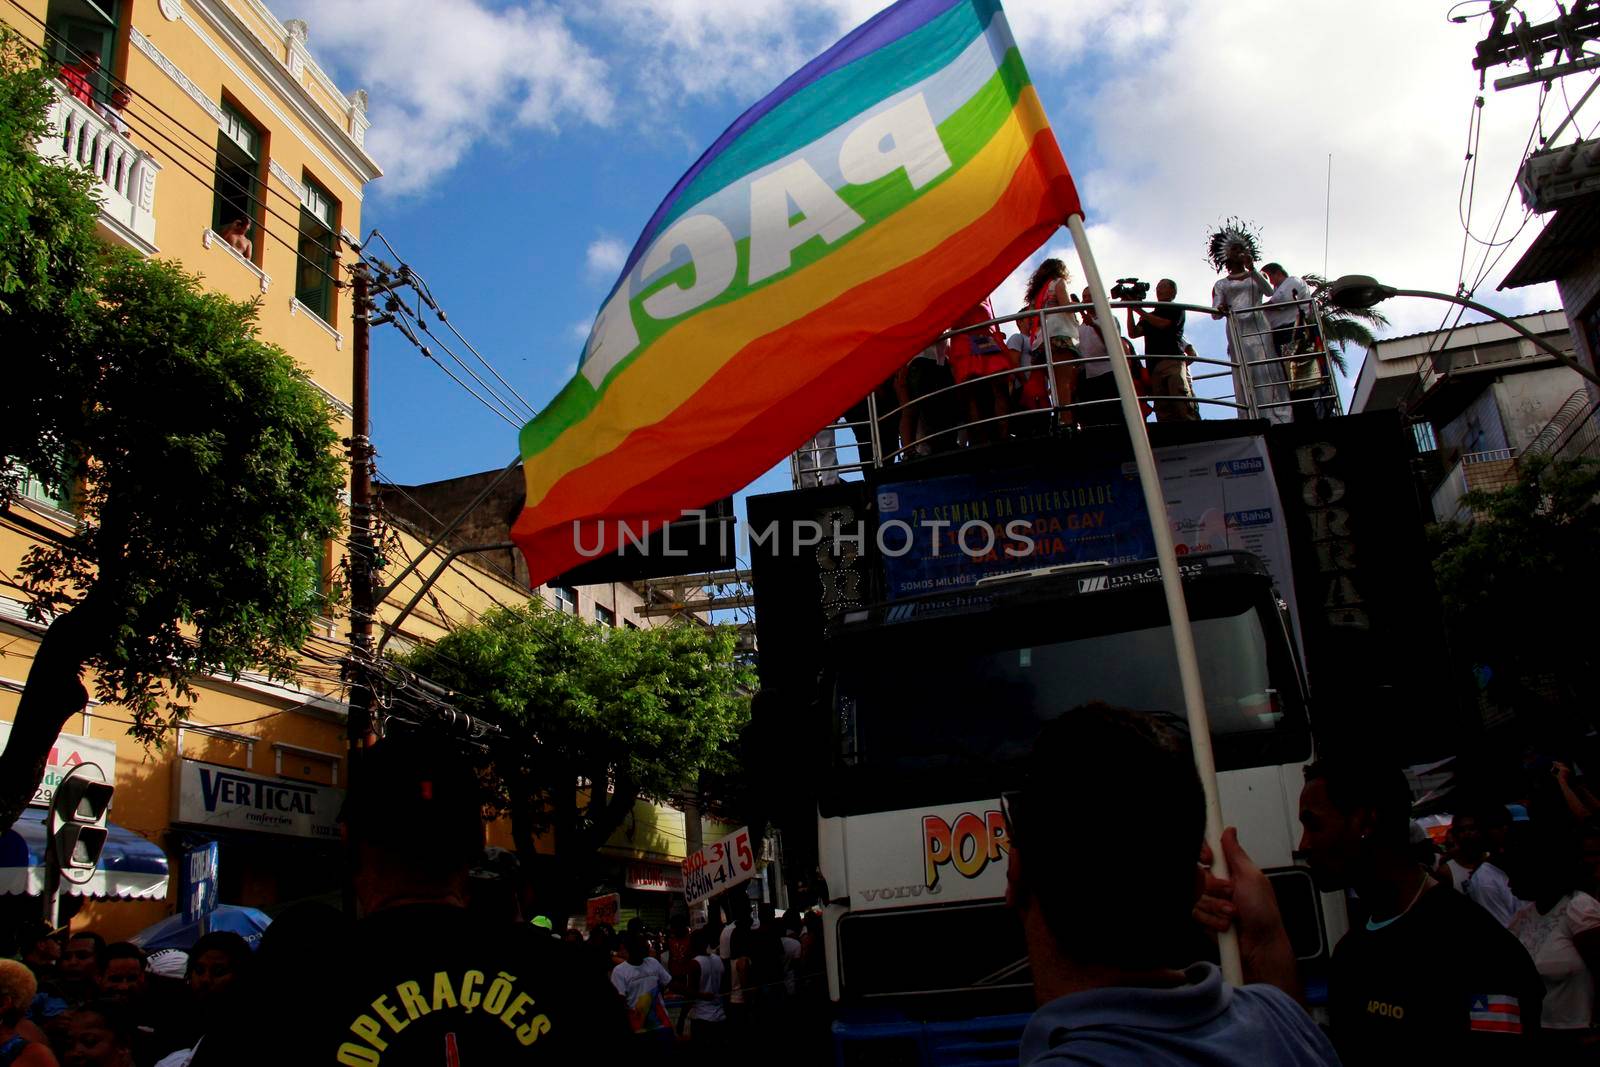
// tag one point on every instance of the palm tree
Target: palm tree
(1343, 326)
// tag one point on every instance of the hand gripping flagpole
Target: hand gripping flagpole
(1167, 556)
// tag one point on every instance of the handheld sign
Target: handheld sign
(719, 866)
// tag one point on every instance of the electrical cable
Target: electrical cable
(134, 95)
(151, 128)
(406, 331)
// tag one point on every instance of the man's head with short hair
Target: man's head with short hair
(413, 818)
(1274, 272)
(123, 975)
(1353, 810)
(1106, 836)
(85, 956)
(1166, 289)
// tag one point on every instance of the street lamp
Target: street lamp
(1356, 292)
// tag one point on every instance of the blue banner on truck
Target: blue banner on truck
(936, 534)
(944, 533)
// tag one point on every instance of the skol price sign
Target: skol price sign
(719, 866)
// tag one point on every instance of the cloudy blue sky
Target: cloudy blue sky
(526, 143)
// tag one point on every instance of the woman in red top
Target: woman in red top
(978, 352)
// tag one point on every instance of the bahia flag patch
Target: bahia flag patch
(1494, 1013)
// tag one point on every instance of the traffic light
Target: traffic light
(78, 818)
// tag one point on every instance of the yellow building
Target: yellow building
(228, 117)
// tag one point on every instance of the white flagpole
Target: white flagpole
(1177, 607)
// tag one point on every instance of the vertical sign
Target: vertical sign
(718, 866)
(199, 879)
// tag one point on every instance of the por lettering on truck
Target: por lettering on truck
(969, 844)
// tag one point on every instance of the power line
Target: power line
(150, 128)
(134, 94)
(408, 320)
(406, 331)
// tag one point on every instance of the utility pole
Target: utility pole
(363, 553)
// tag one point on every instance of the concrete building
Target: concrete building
(1480, 396)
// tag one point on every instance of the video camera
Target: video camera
(1130, 289)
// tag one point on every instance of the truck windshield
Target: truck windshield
(972, 692)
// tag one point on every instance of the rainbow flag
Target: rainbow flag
(832, 232)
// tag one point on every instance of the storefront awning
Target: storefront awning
(130, 867)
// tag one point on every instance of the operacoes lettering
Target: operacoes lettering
(472, 991)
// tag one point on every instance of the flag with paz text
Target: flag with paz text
(833, 231)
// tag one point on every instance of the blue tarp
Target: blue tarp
(130, 867)
(177, 932)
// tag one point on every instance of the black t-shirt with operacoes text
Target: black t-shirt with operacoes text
(435, 985)
(1443, 981)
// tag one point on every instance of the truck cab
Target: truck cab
(933, 703)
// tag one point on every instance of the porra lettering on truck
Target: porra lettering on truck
(922, 679)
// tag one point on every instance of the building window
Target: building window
(30, 487)
(605, 616)
(319, 223)
(566, 598)
(630, 624)
(325, 593)
(240, 151)
(83, 44)
(1423, 432)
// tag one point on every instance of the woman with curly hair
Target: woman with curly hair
(1059, 331)
(20, 1041)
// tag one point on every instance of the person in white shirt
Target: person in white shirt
(707, 1016)
(641, 981)
(1560, 928)
(1280, 308)
(1486, 884)
(1238, 294)
(791, 951)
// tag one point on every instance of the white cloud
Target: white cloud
(1235, 117)
(581, 329)
(704, 48)
(604, 258)
(446, 74)
(1195, 112)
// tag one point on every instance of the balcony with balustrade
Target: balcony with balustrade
(88, 136)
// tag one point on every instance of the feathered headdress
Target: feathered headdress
(1235, 231)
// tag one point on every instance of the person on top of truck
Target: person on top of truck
(1103, 840)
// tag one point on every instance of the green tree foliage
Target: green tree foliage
(1344, 326)
(1517, 580)
(208, 476)
(594, 719)
(48, 251)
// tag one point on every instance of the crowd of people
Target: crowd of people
(444, 965)
(741, 972)
(74, 999)
(1489, 956)
(1486, 951)
(980, 384)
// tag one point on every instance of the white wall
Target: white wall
(1527, 401)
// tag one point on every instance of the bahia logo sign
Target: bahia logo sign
(1238, 468)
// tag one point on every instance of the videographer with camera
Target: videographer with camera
(1162, 329)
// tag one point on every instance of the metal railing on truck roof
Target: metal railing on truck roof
(1036, 395)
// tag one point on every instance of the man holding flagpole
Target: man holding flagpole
(1110, 921)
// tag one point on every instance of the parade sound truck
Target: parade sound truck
(910, 651)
